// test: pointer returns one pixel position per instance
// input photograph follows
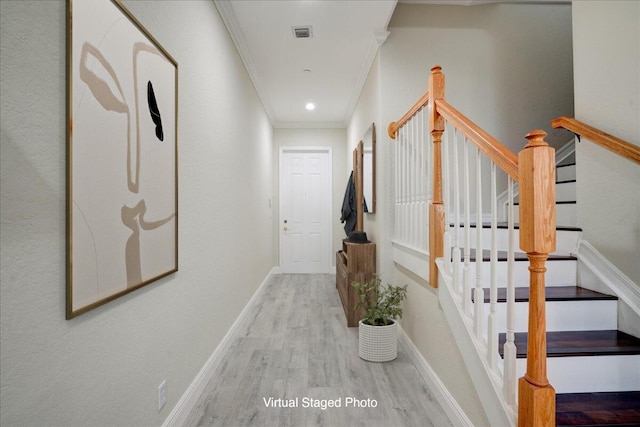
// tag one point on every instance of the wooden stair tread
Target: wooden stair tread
(566, 165)
(598, 409)
(518, 256)
(552, 293)
(503, 225)
(580, 343)
(558, 202)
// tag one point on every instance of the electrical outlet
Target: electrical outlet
(162, 395)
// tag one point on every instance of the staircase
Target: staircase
(576, 352)
(594, 367)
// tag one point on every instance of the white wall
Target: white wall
(103, 367)
(607, 96)
(336, 140)
(509, 69)
(368, 111)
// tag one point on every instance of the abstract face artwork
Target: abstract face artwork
(122, 152)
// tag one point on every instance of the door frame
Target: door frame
(329, 205)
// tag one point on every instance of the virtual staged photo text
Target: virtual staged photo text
(323, 404)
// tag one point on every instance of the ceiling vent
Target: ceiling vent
(304, 32)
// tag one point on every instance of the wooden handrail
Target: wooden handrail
(498, 153)
(420, 104)
(619, 146)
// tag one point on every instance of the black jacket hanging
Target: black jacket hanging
(349, 215)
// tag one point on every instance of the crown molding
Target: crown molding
(309, 125)
(372, 50)
(451, 2)
(225, 9)
(481, 2)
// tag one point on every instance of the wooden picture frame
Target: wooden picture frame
(122, 158)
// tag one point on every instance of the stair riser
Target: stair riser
(563, 315)
(566, 214)
(566, 240)
(559, 273)
(566, 191)
(566, 173)
(590, 373)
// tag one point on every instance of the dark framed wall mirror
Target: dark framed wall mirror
(369, 168)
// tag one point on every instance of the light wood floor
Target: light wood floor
(297, 345)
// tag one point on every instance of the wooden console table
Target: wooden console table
(355, 262)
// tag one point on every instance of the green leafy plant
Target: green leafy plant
(380, 304)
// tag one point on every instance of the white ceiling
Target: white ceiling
(346, 36)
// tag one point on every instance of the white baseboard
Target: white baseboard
(181, 411)
(413, 259)
(278, 270)
(445, 399)
(600, 271)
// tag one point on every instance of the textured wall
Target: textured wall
(508, 67)
(103, 367)
(607, 80)
(367, 111)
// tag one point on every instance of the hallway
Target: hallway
(296, 346)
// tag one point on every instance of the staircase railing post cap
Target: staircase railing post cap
(536, 138)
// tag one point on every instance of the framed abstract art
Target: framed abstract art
(122, 186)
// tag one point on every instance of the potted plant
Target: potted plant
(378, 331)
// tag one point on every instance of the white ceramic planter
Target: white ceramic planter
(378, 343)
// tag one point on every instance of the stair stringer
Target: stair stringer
(597, 273)
(487, 384)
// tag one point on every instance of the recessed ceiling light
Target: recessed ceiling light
(310, 106)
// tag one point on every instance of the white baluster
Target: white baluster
(429, 176)
(398, 232)
(415, 181)
(457, 285)
(478, 295)
(421, 219)
(466, 276)
(492, 334)
(407, 187)
(409, 182)
(402, 186)
(445, 199)
(509, 384)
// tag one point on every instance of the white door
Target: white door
(305, 210)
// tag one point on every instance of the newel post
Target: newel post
(536, 171)
(436, 208)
